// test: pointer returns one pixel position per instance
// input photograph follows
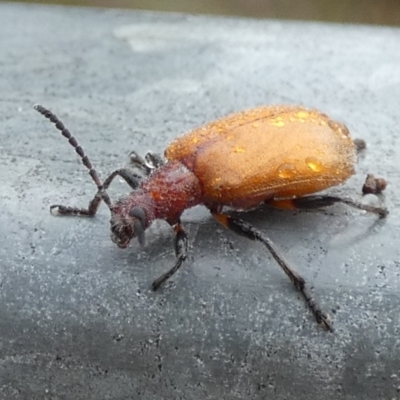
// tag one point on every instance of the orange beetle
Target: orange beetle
(275, 155)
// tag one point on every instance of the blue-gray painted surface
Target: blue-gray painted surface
(78, 318)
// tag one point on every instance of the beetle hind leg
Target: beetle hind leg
(359, 144)
(320, 201)
(245, 229)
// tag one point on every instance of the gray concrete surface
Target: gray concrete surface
(78, 319)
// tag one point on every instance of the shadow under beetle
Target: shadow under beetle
(278, 155)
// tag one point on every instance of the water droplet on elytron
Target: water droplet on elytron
(286, 171)
(339, 128)
(314, 164)
(277, 121)
(303, 114)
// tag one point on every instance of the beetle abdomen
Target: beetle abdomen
(266, 153)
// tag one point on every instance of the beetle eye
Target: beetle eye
(139, 222)
(138, 213)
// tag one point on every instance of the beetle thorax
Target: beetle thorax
(172, 189)
(165, 194)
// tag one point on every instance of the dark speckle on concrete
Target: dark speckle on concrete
(78, 318)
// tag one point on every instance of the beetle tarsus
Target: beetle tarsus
(148, 164)
(163, 278)
(324, 321)
(181, 245)
(321, 317)
(60, 210)
(374, 185)
(153, 160)
(360, 144)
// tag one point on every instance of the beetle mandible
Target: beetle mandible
(279, 155)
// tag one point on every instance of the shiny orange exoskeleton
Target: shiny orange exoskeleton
(279, 155)
(264, 154)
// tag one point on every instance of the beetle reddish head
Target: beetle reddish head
(130, 217)
(125, 227)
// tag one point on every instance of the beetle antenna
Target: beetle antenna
(73, 142)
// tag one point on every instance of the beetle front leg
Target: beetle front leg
(130, 178)
(181, 245)
(245, 229)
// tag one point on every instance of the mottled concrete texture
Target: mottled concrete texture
(78, 318)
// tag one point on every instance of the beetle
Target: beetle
(279, 155)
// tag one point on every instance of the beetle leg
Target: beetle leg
(154, 160)
(245, 229)
(130, 178)
(181, 245)
(360, 144)
(319, 201)
(137, 161)
(150, 162)
(374, 185)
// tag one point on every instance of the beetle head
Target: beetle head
(126, 227)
